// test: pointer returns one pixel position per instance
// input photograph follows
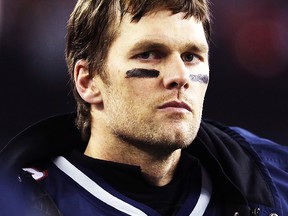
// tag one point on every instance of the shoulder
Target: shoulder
(268, 150)
(275, 158)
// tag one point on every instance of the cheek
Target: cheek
(198, 94)
(141, 88)
(202, 96)
(202, 91)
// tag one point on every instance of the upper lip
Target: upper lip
(177, 104)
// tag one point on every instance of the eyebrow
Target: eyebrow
(197, 47)
(151, 44)
(146, 45)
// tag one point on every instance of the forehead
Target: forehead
(161, 27)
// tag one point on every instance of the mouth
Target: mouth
(177, 105)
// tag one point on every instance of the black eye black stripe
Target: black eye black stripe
(199, 78)
(142, 73)
(152, 73)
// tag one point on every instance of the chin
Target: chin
(180, 143)
(173, 142)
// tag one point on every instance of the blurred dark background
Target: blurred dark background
(249, 65)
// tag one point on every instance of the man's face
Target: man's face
(158, 73)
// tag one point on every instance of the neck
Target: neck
(158, 169)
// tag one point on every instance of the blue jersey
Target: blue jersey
(248, 174)
(78, 191)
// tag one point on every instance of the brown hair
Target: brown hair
(92, 28)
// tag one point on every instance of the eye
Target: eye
(144, 55)
(190, 58)
(150, 55)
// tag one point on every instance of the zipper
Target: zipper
(255, 212)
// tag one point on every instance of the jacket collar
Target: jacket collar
(48, 138)
(231, 160)
(223, 152)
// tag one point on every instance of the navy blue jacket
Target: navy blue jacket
(251, 172)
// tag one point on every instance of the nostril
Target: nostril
(173, 85)
(186, 85)
(178, 85)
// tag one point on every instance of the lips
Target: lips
(176, 104)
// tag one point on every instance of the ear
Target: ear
(85, 84)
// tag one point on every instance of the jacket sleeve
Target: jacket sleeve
(275, 158)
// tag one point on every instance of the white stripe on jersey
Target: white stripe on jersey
(205, 196)
(103, 195)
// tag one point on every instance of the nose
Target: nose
(176, 75)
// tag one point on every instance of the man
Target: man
(140, 72)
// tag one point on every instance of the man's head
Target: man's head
(94, 26)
